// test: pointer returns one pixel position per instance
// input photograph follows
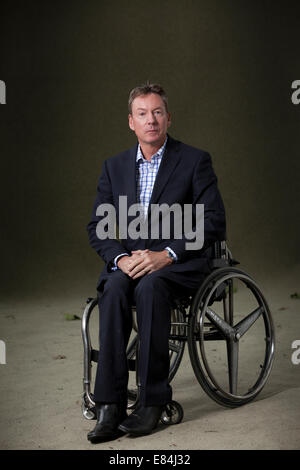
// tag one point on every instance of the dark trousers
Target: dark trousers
(152, 295)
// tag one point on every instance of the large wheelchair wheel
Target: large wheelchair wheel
(231, 337)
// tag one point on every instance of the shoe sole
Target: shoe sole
(135, 433)
(104, 437)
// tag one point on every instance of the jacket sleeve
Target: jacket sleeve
(205, 191)
(108, 248)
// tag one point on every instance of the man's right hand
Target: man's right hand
(125, 262)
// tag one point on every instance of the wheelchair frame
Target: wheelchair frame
(199, 325)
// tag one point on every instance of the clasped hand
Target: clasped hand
(143, 262)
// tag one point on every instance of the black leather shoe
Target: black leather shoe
(109, 416)
(142, 421)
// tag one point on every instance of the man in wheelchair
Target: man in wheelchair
(147, 271)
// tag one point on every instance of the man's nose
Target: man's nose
(151, 118)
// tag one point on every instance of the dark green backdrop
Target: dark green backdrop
(69, 65)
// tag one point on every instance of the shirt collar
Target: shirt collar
(158, 154)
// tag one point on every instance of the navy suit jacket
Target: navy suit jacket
(185, 176)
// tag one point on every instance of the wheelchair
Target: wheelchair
(215, 323)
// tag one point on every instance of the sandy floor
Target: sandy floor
(41, 385)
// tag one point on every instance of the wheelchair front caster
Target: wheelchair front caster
(88, 412)
(172, 414)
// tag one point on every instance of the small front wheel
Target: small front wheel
(88, 411)
(172, 414)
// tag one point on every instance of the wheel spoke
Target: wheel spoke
(174, 347)
(221, 325)
(243, 326)
(225, 310)
(230, 293)
(233, 357)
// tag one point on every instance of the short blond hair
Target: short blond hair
(146, 89)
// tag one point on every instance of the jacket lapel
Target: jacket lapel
(168, 164)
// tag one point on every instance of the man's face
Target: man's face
(149, 119)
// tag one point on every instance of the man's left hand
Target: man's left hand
(147, 262)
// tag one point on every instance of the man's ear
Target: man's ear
(130, 122)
